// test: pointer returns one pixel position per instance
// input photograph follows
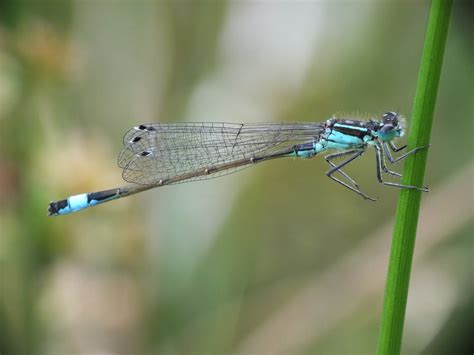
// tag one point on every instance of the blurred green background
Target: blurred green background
(276, 259)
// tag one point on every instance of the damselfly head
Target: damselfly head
(391, 126)
(391, 118)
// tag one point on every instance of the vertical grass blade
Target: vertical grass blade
(401, 255)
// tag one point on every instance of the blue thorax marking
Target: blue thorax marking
(343, 135)
(346, 135)
(339, 135)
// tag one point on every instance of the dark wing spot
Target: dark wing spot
(145, 153)
(143, 127)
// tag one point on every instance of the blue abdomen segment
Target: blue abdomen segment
(305, 150)
(79, 202)
(69, 205)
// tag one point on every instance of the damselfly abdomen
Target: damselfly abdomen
(160, 154)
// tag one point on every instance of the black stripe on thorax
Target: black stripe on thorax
(358, 129)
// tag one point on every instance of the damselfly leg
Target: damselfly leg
(389, 156)
(354, 154)
(395, 149)
(329, 158)
(380, 166)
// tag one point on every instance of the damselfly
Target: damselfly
(160, 154)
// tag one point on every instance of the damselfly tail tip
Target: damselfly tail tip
(52, 210)
(55, 207)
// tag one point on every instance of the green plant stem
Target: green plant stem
(403, 243)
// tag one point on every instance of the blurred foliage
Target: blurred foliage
(207, 268)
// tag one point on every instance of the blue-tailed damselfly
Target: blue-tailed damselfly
(160, 154)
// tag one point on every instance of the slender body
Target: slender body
(162, 154)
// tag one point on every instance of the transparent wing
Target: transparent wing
(159, 151)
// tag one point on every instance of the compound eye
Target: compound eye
(390, 118)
